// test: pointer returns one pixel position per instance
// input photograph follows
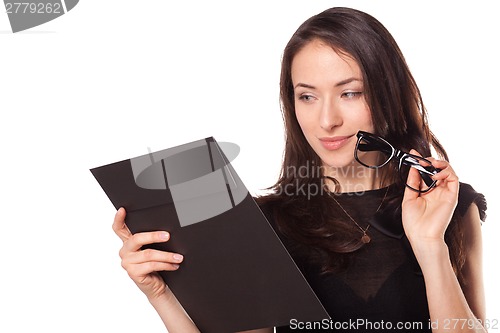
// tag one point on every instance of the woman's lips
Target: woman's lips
(335, 142)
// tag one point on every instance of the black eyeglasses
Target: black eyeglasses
(374, 152)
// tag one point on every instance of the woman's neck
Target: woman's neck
(353, 178)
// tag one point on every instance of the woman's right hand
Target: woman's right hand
(143, 265)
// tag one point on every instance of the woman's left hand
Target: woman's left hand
(427, 215)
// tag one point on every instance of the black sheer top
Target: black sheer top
(382, 289)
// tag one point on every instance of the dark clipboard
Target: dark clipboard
(236, 275)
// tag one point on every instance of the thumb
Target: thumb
(413, 180)
(119, 226)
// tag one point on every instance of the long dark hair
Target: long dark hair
(398, 114)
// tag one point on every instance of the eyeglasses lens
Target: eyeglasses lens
(373, 152)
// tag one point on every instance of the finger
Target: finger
(147, 255)
(439, 164)
(150, 267)
(414, 152)
(119, 227)
(426, 178)
(446, 171)
(413, 180)
(447, 174)
(136, 241)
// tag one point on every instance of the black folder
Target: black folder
(236, 274)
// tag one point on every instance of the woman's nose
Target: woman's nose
(330, 116)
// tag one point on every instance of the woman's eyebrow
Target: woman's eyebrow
(338, 84)
(346, 81)
(304, 85)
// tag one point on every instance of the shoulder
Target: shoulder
(466, 197)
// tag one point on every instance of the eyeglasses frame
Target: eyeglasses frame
(403, 158)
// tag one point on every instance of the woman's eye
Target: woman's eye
(352, 94)
(306, 98)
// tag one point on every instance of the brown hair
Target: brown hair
(398, 114)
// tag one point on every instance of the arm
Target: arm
(452, 307)
(142, 267)
(172, 314)
(473, 268)
(425, 219)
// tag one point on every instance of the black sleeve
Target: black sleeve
(466, 196)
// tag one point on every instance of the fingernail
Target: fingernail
(178, 257)
(165, 235)
(175, 266)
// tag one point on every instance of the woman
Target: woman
(378, 243)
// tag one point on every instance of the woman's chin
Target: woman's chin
(339, 164)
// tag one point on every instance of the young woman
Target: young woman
(384, 240)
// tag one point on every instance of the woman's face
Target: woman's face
(330, 103)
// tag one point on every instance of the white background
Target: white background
(112, 78)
